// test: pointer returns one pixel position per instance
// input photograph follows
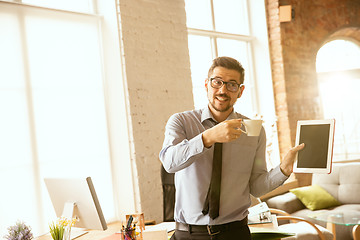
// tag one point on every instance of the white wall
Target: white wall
(157, 75)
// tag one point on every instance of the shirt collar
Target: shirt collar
(206, 114)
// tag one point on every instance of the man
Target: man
(192, 141)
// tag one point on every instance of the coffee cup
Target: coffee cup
(252, 127)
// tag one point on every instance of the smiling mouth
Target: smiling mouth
(222, 98)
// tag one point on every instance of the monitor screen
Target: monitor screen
(76, 198)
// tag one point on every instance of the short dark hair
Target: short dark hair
(229, 63)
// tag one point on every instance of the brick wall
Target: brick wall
(294, 46)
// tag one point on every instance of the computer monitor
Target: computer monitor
(76, 198)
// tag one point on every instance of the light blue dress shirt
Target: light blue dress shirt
(244, 169)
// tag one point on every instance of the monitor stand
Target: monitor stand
(68, 213)
(77, 232)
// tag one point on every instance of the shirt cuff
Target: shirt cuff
(196, 144)
(280, 174)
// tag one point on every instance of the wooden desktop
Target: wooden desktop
(112, 233)
(92, 234)
(108, 234)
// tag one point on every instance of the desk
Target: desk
(261, 231)
(347, 218)
(94, 234)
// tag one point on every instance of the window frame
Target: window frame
(115, 110)
(257, 51)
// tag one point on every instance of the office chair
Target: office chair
(168, 186)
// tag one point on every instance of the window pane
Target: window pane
(338, 67)
(338, 55)
(71, 5)
(62, 52)
(68, 99)
(231, 16)
(346, 114)
(238, 50)
(16, 180)
(235, 49)
(198, 14)
(200, 60)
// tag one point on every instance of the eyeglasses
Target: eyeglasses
(230, 86)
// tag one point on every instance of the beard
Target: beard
(223, 108)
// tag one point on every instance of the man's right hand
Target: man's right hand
(225, 131)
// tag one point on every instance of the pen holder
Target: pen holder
(128, 234)
(138, 219)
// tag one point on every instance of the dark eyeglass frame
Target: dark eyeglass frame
(226, 83)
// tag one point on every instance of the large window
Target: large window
(338, 69)
(220, 28)
(53, 110)
(234, 28)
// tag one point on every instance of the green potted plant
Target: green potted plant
(61, 229)
(19, 231)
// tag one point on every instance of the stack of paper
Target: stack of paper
(259, 213)
(263, 225)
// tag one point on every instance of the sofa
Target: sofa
(343, 184)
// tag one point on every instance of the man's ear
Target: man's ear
(206, 83)
(241, 91)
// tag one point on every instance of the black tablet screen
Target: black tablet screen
(316, 139)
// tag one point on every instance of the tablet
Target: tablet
(318, 136)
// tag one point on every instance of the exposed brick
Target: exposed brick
(293, 67)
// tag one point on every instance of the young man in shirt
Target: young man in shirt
(188, 151)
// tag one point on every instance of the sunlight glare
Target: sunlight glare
(338, 66)
(338, 55)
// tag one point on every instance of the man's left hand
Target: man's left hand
(287, 163)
